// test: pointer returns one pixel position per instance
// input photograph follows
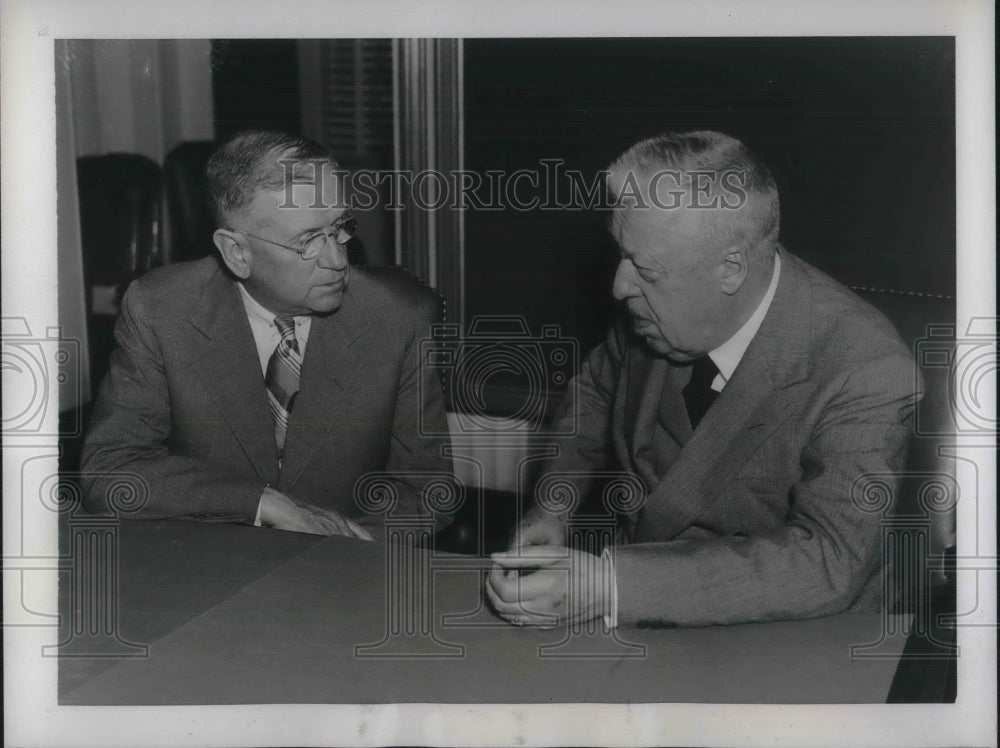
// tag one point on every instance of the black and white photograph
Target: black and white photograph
(437, 377)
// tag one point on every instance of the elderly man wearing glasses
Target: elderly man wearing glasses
(264, 388)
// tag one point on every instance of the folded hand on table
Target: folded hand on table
(564, 586)
(285, 513)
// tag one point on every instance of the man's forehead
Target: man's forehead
(658, 237)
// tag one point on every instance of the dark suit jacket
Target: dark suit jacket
(752, 516)
(184, 408)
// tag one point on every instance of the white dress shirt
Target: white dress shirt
(726, 358)
(266, 337)
(265, 332)
(728, 355)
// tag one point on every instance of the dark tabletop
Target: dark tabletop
(226, 614)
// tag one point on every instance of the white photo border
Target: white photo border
(32, 715)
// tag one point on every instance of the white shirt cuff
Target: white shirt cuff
(610, 616)
(256, 519)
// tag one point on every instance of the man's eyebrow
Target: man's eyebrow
(304, 233)
(318, 229)
(647, 264)
(627, 254)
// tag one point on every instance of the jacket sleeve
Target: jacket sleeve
(419, 464)
(826, 551)
(126, 465)
(584, 417)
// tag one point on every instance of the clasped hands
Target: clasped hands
(539, 581)
(285, 513)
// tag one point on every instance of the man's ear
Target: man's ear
(735, 269)
(234, 251)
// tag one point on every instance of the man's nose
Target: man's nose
(333, 256)
(624, 284)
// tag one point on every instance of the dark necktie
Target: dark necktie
(699, 395)
(282, 379)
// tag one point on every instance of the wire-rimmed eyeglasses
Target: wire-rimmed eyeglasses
(340, 233)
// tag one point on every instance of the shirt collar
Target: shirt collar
(728, 355)
(255, 310)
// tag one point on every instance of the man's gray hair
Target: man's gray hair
(259, 160)
(728, 174)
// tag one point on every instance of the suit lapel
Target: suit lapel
(673, 415)
(226, 362)
(329, 369)
(767, 386)
(644, 387)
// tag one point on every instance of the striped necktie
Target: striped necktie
(282, 379)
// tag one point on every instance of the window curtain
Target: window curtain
(119, 96)
(139, 96)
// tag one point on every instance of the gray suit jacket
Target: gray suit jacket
(751, 517)
(184, 408)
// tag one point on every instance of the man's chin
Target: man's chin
(655, 343)
(663, 349)
(328, 304)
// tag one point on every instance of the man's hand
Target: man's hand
(566, 587)
(284, 513)
(538, 529)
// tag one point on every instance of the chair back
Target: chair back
(188, 207)
(120, 197)
(924, 519)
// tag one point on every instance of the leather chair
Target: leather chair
(120, 196)
(120, 221)
(921, 532)
(191, 222)
(926, 322)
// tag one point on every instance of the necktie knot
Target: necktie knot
(699, 395)
(703, 373)
(286, 328)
